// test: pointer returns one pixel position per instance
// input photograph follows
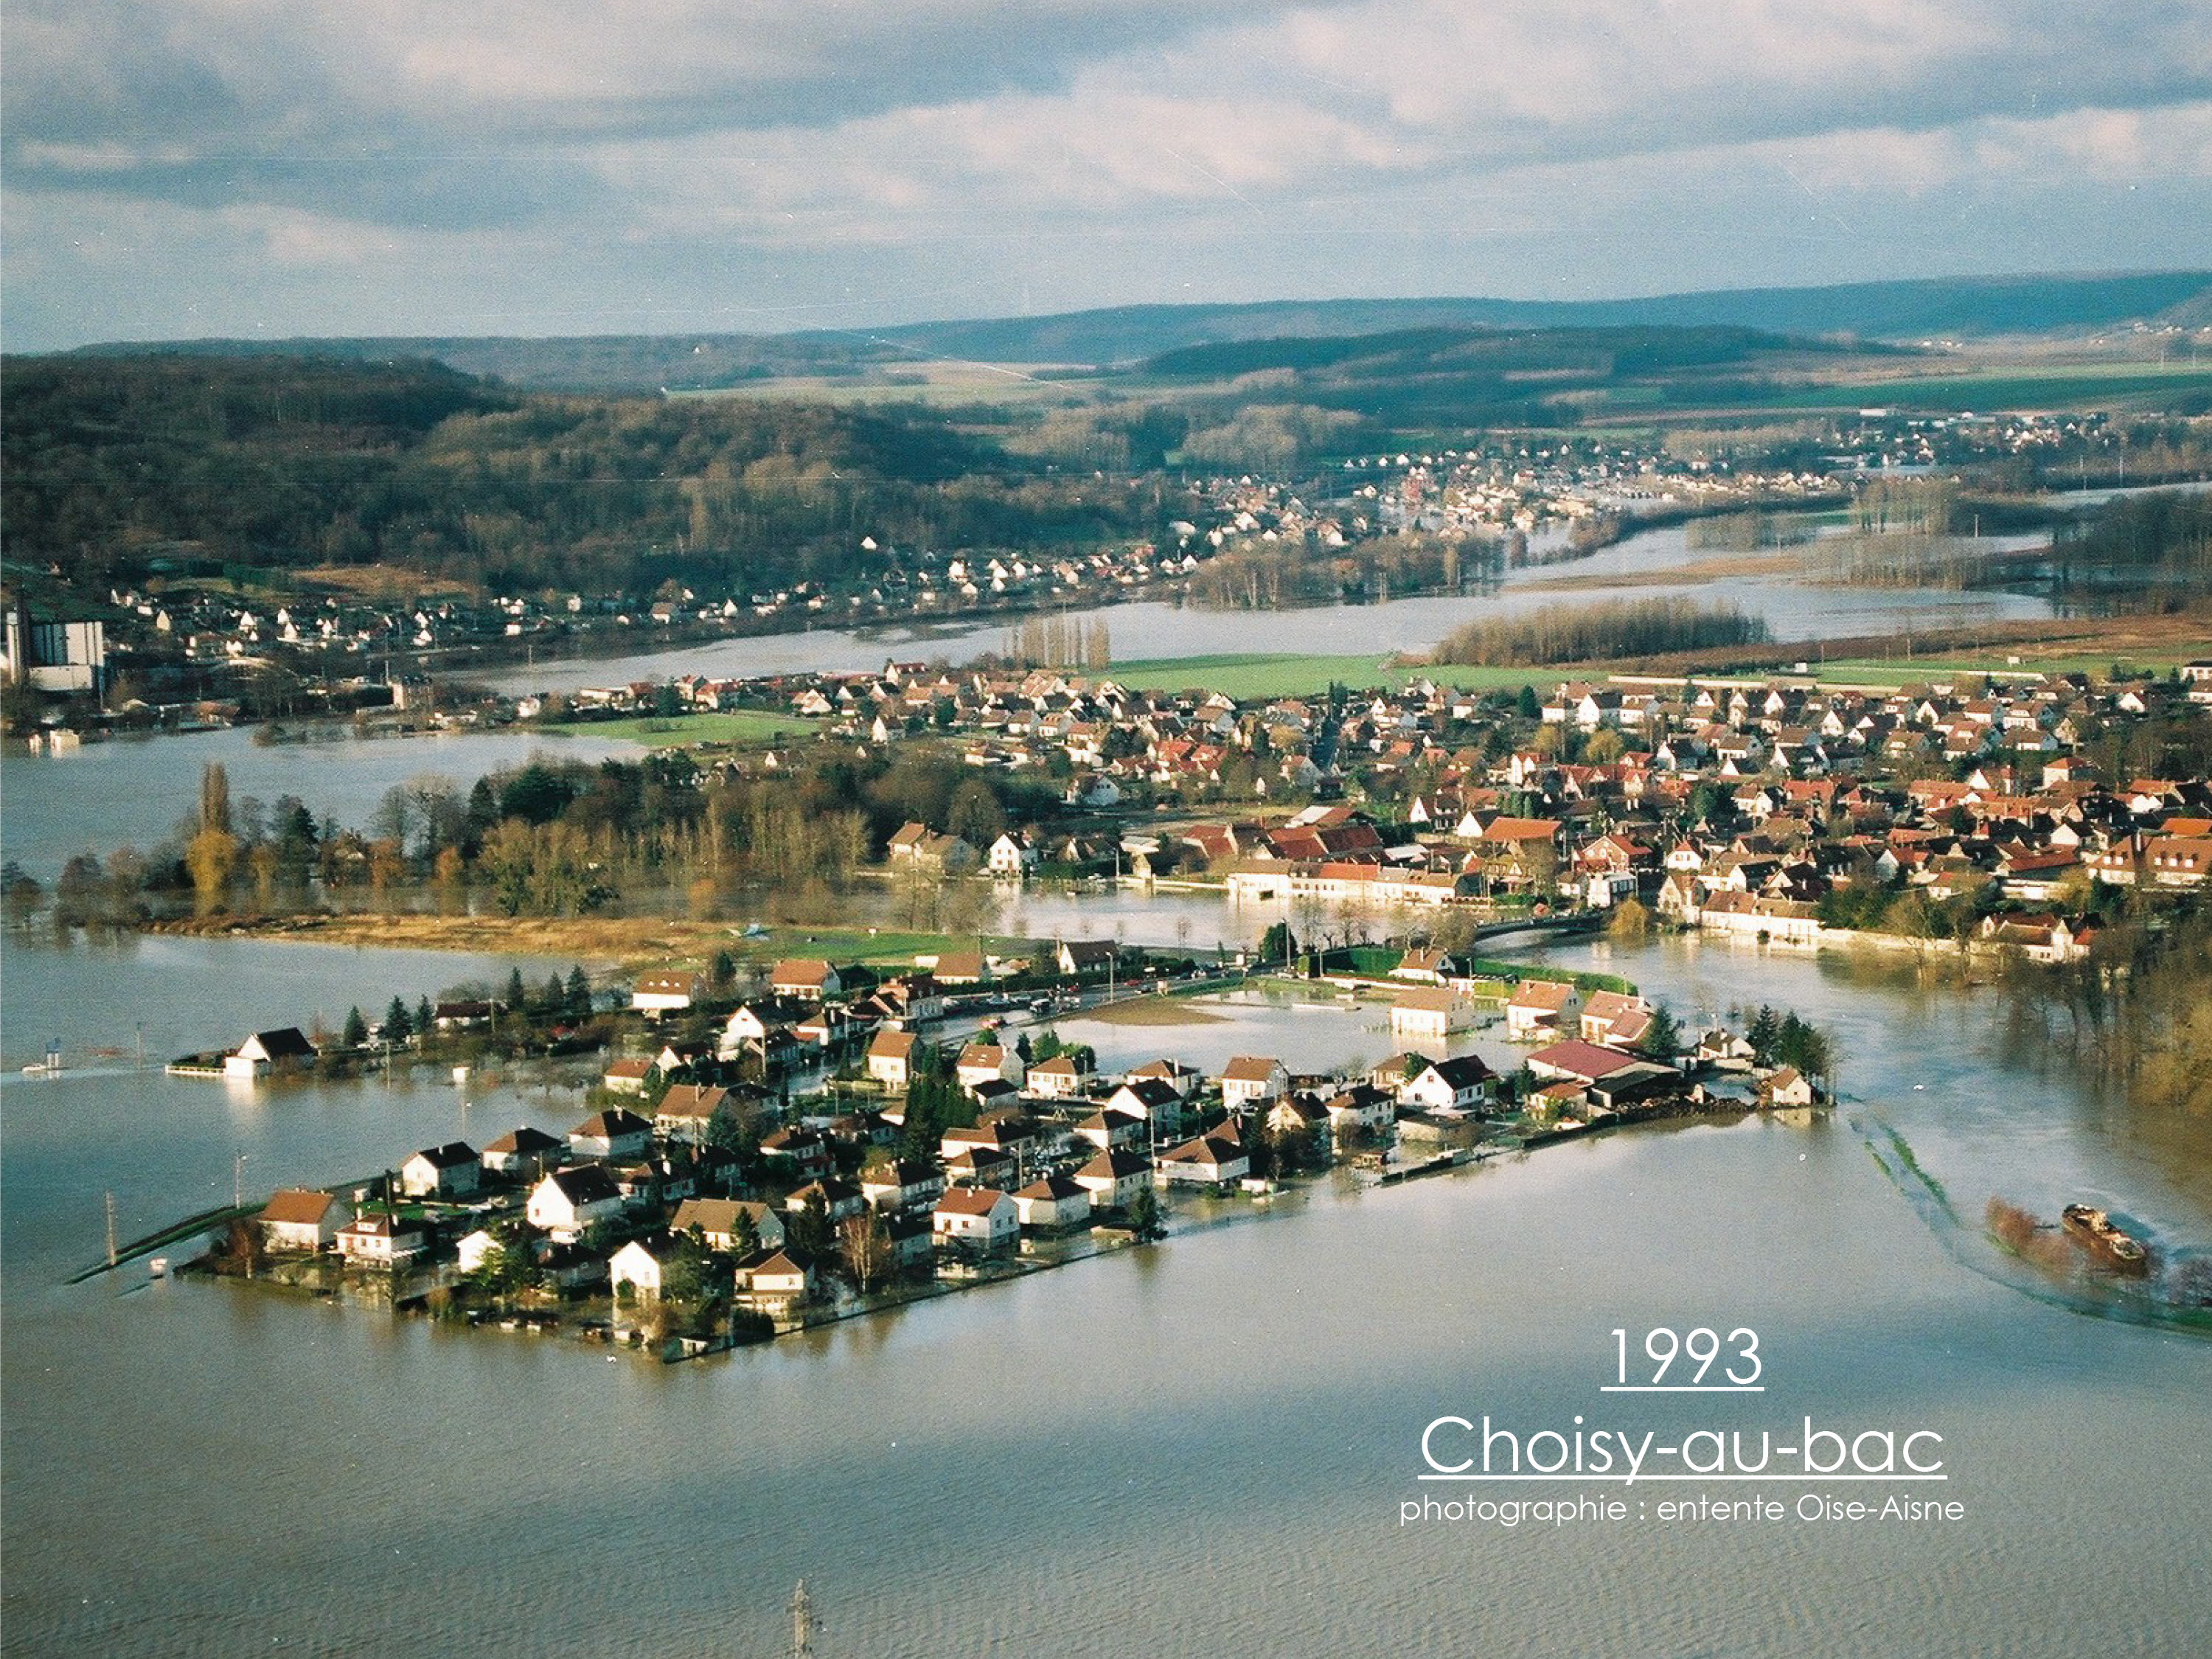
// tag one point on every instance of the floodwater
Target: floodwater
(1195, 1449)
(1794, 608)
(133, 792)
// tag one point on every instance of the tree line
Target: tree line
(1590, 633)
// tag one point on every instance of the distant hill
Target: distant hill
(1947, 308)
(1904, 310)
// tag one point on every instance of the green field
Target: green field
(1897, 670)
(677, 730)
(1262, 676)
(2085, 386)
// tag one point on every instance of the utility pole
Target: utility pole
(238, 1181)
(110, 1231)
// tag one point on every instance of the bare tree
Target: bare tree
(866, 1244)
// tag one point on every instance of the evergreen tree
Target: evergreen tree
(580, 992)
(1765, 1027)
(555, 999)
(517, 997)
(398, 1026)
(1662, 1038)
(1145, 1218)
(424, 1025)
(356, 1028)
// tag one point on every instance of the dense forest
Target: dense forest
(1620, 628)
(116, 463)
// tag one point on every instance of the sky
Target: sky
(192, 168)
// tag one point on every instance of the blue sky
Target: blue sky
(277, 167)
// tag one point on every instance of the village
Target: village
(195, 646)
(831, 1139)
(1976, 808)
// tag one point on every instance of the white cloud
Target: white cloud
(795, 138)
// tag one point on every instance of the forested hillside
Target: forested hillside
(115, 463)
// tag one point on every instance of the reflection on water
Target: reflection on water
(132, 791)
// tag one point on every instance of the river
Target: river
(1794, 608)
(1198, 1449)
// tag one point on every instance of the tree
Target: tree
(1277, 943)
(1766, 1028)
(20, 891)
(1662, 1037)
(517, 996)
(580, 993)
(1145, 1220)
(356, 1028)
(215, 798)
(209, 859)
(399, 1024)
(1527, 705)
(809, 1231)
(866, 1244)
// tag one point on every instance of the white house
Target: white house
(1185, 1080)
(1012, 856)
(1150, 1101)
(381, 1241)
(1208, 1160)
(300, 1218)
(978, 1219)
(1538, 1008)
(1061, 1078)
(1460, 1083)
(626, 1076)
(524, 1150)
(1249, 1081)
(890, 1059)
(806, 977)
(901, 1185)
(666, 993)
(1054, 1201)
(452, 1170)
(988, 1062)
(637, 1267)
(1432, 1012)
(1113, 1178)
(266, 1051)
(613, 1133)
(1360, 1107)
(1612, 1017)
(1111, 1127)
(566, 1202)
(772, 1281)
(473, 1251)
